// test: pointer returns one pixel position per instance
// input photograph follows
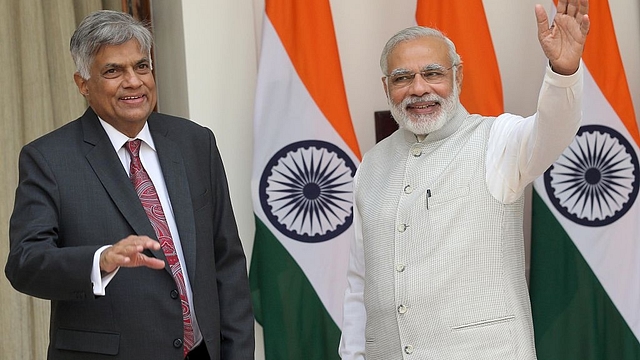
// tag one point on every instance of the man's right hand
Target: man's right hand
(128, 253)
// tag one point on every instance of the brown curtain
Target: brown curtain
(38, 95)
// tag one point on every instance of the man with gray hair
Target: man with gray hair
(122, 218)
(437, 264)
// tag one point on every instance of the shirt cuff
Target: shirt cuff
(98, 281)
(564, 81)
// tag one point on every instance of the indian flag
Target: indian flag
(305, 157)
(465, 23)
(585, 261)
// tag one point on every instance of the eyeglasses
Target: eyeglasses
(432, 74)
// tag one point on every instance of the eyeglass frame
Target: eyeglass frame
(412, 75)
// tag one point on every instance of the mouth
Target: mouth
(134, 97)
(423, 107)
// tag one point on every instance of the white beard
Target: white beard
(424, 124)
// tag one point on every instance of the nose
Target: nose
(131, 79)
(419, 86)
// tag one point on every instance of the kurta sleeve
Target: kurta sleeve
(521, 149)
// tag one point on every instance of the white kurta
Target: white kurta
(439, 231)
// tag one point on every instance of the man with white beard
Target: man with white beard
(437, 264)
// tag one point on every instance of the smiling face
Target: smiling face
(421, 106)
(121, 89)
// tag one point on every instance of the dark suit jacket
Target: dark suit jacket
(74, 196)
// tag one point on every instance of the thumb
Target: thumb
(542, 20)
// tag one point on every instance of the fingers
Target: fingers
(573, 8)
(542, 19)
(562, 7)
(578, 10)
(147, 261)
(585, 25)
(584, 7)
(562, 40)
(583, 17)
(128, 253)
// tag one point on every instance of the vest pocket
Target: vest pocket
(483, 323)
(436, 197)
(374, 350)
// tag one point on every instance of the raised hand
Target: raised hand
(128, 253)
(563, 41)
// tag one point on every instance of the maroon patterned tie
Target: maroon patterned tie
(149, 199)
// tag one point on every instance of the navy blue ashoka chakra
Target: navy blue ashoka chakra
(595, 181)
(306, 191)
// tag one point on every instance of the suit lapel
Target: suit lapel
(108, 168)
(175, 177)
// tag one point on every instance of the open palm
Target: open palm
(563, 41)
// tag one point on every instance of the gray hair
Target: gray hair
(106, 27)
(413, 33)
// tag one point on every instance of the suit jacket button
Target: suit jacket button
(175, 294)
(177, 343)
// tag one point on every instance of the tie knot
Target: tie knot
(133, 147)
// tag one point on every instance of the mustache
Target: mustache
(424, 98)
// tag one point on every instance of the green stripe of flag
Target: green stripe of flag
(574, 318)
(296, 324)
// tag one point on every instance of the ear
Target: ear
(459, 76)
(81, 83)
(384, 85)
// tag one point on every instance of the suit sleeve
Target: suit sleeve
(37, 265)
(237, 323)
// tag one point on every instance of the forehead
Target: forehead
(123, 54)
(415, 54)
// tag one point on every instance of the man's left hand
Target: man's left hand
(563, 41)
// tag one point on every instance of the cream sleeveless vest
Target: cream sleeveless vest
(445, 272)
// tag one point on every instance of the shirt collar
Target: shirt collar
(118, 139)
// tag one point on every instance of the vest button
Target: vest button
(177, 343)
(402, 227)
(408, 189)
(400, 268)
(416, 152)
(408, 349)
(402, 309)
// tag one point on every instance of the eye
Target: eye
(433, 74)
(111, 73)
(143, 68)
(402, 78)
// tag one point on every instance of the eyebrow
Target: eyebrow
(428, 67)
(434, 67)
(399, 72)
(120, 66)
